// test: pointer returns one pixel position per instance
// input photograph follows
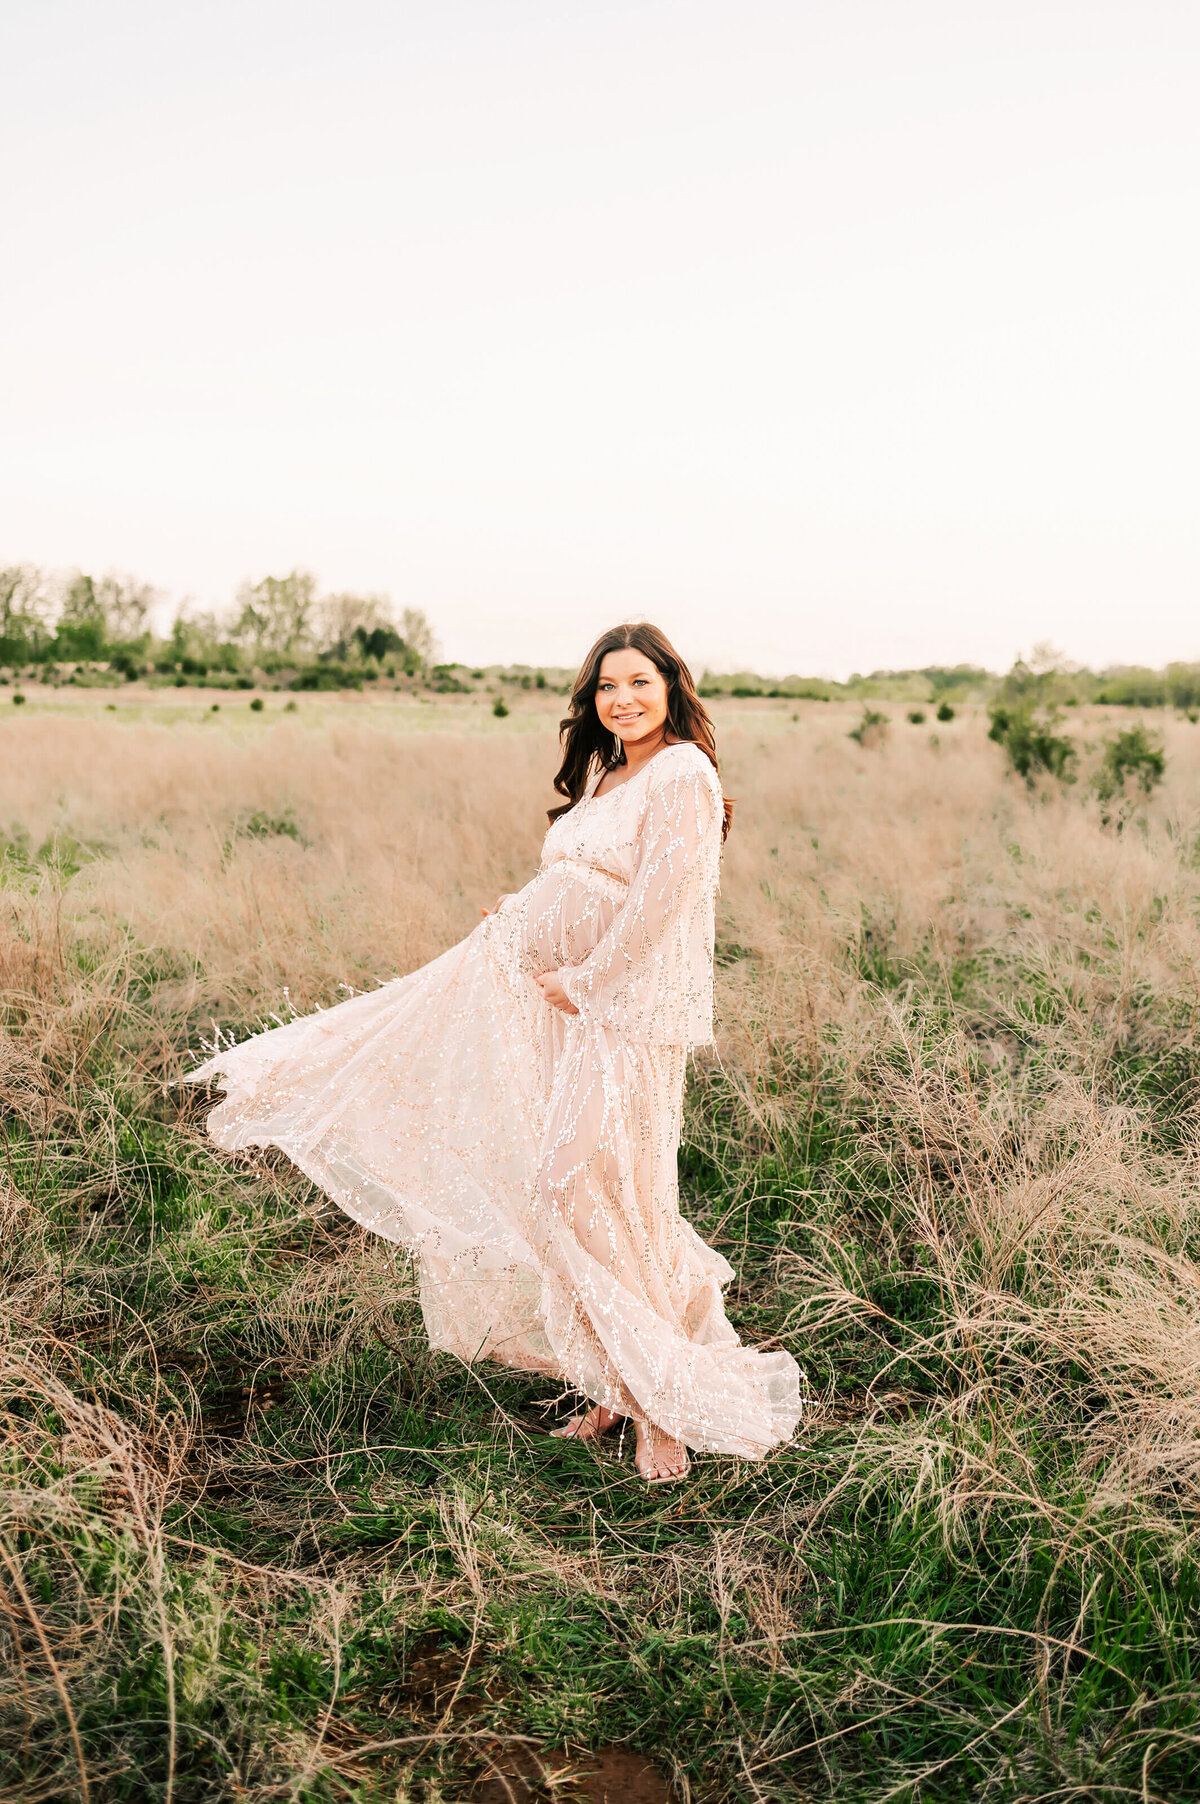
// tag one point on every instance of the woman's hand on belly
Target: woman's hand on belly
(551, 991)
(485, 912)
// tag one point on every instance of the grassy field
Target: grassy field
(257, 1543)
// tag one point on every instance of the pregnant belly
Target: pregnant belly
(562, 915)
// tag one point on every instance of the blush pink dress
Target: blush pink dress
(525, 1158)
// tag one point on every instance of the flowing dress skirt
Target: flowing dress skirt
(527, 1160)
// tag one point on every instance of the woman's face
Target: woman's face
(631, 696)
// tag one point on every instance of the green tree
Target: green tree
(381, 642)
(82, 625)
(420, 641)
(197, 639)
(125, 604)
(1183, 685)
(278, 614)
(26, 610)
(347, 619)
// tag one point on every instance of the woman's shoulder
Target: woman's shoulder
(684, 759)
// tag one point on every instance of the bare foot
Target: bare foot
(588, 1427)
(659, 1459)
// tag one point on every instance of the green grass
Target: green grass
(772, 1631)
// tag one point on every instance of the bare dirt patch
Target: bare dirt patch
(605, 1776)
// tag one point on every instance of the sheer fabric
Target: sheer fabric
(527, 1159)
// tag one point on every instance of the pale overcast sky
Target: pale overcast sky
(833, 334)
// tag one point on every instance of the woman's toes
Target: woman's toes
(659, 1457)
(587, 1427)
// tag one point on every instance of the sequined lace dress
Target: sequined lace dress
(527, 1158)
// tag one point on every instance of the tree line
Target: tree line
(278, 622)
(1177, 685)
(50, 619)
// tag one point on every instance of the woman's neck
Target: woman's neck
(640, 751)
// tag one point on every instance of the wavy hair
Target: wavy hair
(585, 742)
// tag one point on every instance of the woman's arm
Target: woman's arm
(650, 975)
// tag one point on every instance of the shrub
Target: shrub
(872, 729)
(262, 825)
(18, 699)
(1026, 714)
(1131, 759)
(499, 709)
(327, 676)
(257, 704)
(1028, 737)
(945, 711)
(379, 642)
(917, 716)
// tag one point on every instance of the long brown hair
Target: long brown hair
(584, 740)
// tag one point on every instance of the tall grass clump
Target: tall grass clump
(872, 729)
(256, 1541)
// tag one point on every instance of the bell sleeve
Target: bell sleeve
(650, 976)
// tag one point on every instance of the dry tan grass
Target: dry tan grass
(917, 858)
(1023, 1168)
(401, 839)
(407, 832)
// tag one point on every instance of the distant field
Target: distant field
(258, 1543)
(400, 710)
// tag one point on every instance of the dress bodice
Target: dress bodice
(599, 832)
(622, 905)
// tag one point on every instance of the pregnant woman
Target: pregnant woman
(510, 1113)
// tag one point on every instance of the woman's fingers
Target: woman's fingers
(551, 991)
